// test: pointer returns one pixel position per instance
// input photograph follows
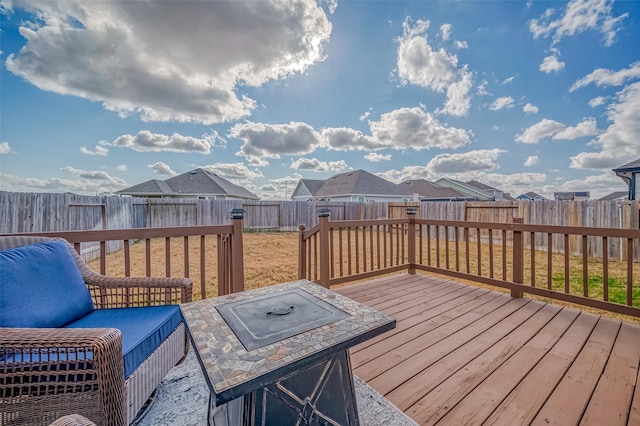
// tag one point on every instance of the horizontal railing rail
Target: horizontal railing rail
(571, 264)
(225, 250)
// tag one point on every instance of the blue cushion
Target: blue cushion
(143, 329)
(41, 286)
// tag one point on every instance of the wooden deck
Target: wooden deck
(467, 355)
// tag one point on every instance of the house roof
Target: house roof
(313, 185)
(532, 195)
(198, 182)
(150, 187)
(626, 171)
(429, 190)
(614, 196)
(569, 195)
(466, 188)
(481, 186)
(359, 182)
(634, 165)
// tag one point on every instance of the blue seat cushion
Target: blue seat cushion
(41, 286)
(143, 329)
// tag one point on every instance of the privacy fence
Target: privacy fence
(43, 212)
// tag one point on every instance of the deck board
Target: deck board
(467, 355)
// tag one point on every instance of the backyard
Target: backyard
(271, 258)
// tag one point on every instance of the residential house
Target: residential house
(473, 191)
(615, 196)
(357, 185)
(630, 174)
(571, 196)
(424, 190)
(198, 183)
(530, 196)
(306, 189)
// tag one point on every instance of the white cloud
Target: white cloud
(542, 130)
(579, 16)
(163, 61)
(597, 101)
(588, 127)
(236, 172)
(422, 65)
(502, 102)
(365, 115)
(346, 139)
(530, 109)
(416, 129)
(551, 64)
(4, 148)
(481, 89)
(478, 160)
(99, 150)
(603, 77)
(161, 168)
(407, 173)
(121, 168)
(619, 142)
(79, 185)
(509, 80)
(460, 44)
(262, 141)
(531, 161)
(374, 157)
(445, 31)
(315, 165)
(551, 129)
(597, 185)
(145, 141)
(458, 100)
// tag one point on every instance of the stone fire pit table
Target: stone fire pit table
(279, 355)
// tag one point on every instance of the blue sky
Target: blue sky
(538, 95)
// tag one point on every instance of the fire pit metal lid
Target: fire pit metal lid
(263, 320)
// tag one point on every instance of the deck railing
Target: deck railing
(217, 244)
(571, 264)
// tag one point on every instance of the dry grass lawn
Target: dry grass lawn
(272, 258)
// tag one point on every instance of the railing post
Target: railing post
(302, 254)
(518, 257)
(323, 214)
(237, 251)
(411, 235)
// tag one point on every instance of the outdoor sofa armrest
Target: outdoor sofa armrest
(73, 420)
(80, 370)
(127, 292)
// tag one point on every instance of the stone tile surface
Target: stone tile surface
(228, 364)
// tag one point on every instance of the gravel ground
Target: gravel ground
(183, 396)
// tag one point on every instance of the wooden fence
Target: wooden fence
(335, 252)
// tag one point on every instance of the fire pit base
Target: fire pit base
(317, 395)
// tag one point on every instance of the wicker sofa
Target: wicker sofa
(74, 341)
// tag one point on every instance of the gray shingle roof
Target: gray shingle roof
(313, 185)
(429, 190)
(614, 196)
(632, 165)
(198, 182)
(359, 182)
(150, 187)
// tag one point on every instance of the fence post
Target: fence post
(411, 235)
(518, 257)
(237, 251)
(302, 253)
(323, 214)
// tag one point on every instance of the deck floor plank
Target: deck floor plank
(467, 355)
(424, 337)
(522, 405)
(425, 317)
(566, 404)
(615, 387)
